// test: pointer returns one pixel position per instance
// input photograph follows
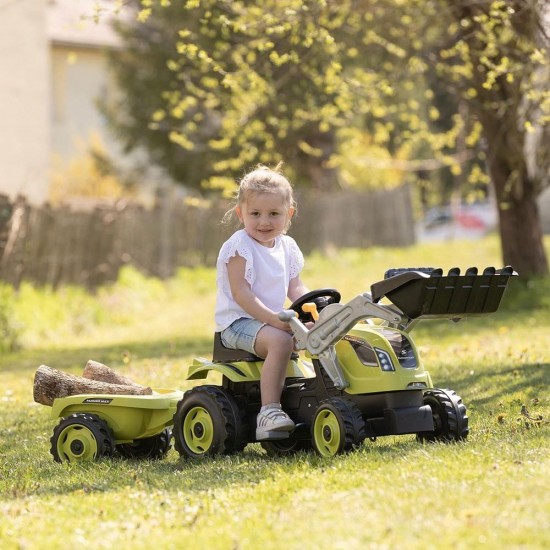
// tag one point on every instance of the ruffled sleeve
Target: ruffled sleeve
(296, 258)
(239, 244)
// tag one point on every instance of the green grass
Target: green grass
(490, 492)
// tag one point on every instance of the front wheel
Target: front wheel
(80, 437)
(449, 416)
(207, 422)
(338, 426)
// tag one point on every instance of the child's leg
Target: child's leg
(276, 346)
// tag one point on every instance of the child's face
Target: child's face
(264, 216)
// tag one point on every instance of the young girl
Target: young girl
(258, 268)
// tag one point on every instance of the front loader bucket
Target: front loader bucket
(427, 293)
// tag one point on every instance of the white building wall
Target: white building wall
(24, 114)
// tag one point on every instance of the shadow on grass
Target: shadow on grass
(526, 380)
(174, 474)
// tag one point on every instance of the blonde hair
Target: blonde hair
(262, 180)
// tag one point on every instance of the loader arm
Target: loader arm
(421, 293)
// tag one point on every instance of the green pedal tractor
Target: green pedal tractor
(360, 375)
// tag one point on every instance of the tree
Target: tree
(492, 58)
(240, 82)
(498, 64)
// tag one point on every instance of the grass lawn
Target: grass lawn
(492, 491)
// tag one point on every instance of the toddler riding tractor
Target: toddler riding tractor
(361, 376)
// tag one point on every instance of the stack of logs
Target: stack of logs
(97, 378)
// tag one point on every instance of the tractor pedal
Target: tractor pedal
(301, 431)
(272, 436)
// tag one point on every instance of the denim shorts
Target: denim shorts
(241, 334)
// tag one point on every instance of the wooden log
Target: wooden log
(102, 373)
(50, 384)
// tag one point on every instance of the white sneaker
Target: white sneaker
(273, 423)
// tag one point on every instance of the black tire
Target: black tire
(449, 416)
(207, 422)
(286, 447)
(155, 447)
(338, 427)
(80, 437)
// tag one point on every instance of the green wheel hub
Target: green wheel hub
(77, 443)
(198, 430)
(81, 437)
(337, 427)
(327, 434)
(208, 422)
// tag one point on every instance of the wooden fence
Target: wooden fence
(57, 246)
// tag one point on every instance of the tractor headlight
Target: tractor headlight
(384, 360)
(417, 385)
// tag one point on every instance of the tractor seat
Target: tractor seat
(221, 354)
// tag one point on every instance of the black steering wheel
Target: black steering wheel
(322, 298)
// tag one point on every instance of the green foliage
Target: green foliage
(366, 162)
(240, 83)
(49, 317)
(247, 82)
(43, 317)
(497, 63)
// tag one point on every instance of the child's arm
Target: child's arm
(243, 295)
(296, 289)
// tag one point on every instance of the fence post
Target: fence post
(164, 208)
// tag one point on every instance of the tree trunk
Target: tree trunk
(50, 384)
(501, 108)
(519, 221)
(521, 237)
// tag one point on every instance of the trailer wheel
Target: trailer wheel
(338, 426)
(155, 447)
(207, 422)
(449, 416)
(81, 436)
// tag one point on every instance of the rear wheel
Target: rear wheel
(207, 422)
(449, 416)
(80, 437)
(338, 426)
(154, 448)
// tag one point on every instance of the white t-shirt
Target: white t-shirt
(268, 271)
